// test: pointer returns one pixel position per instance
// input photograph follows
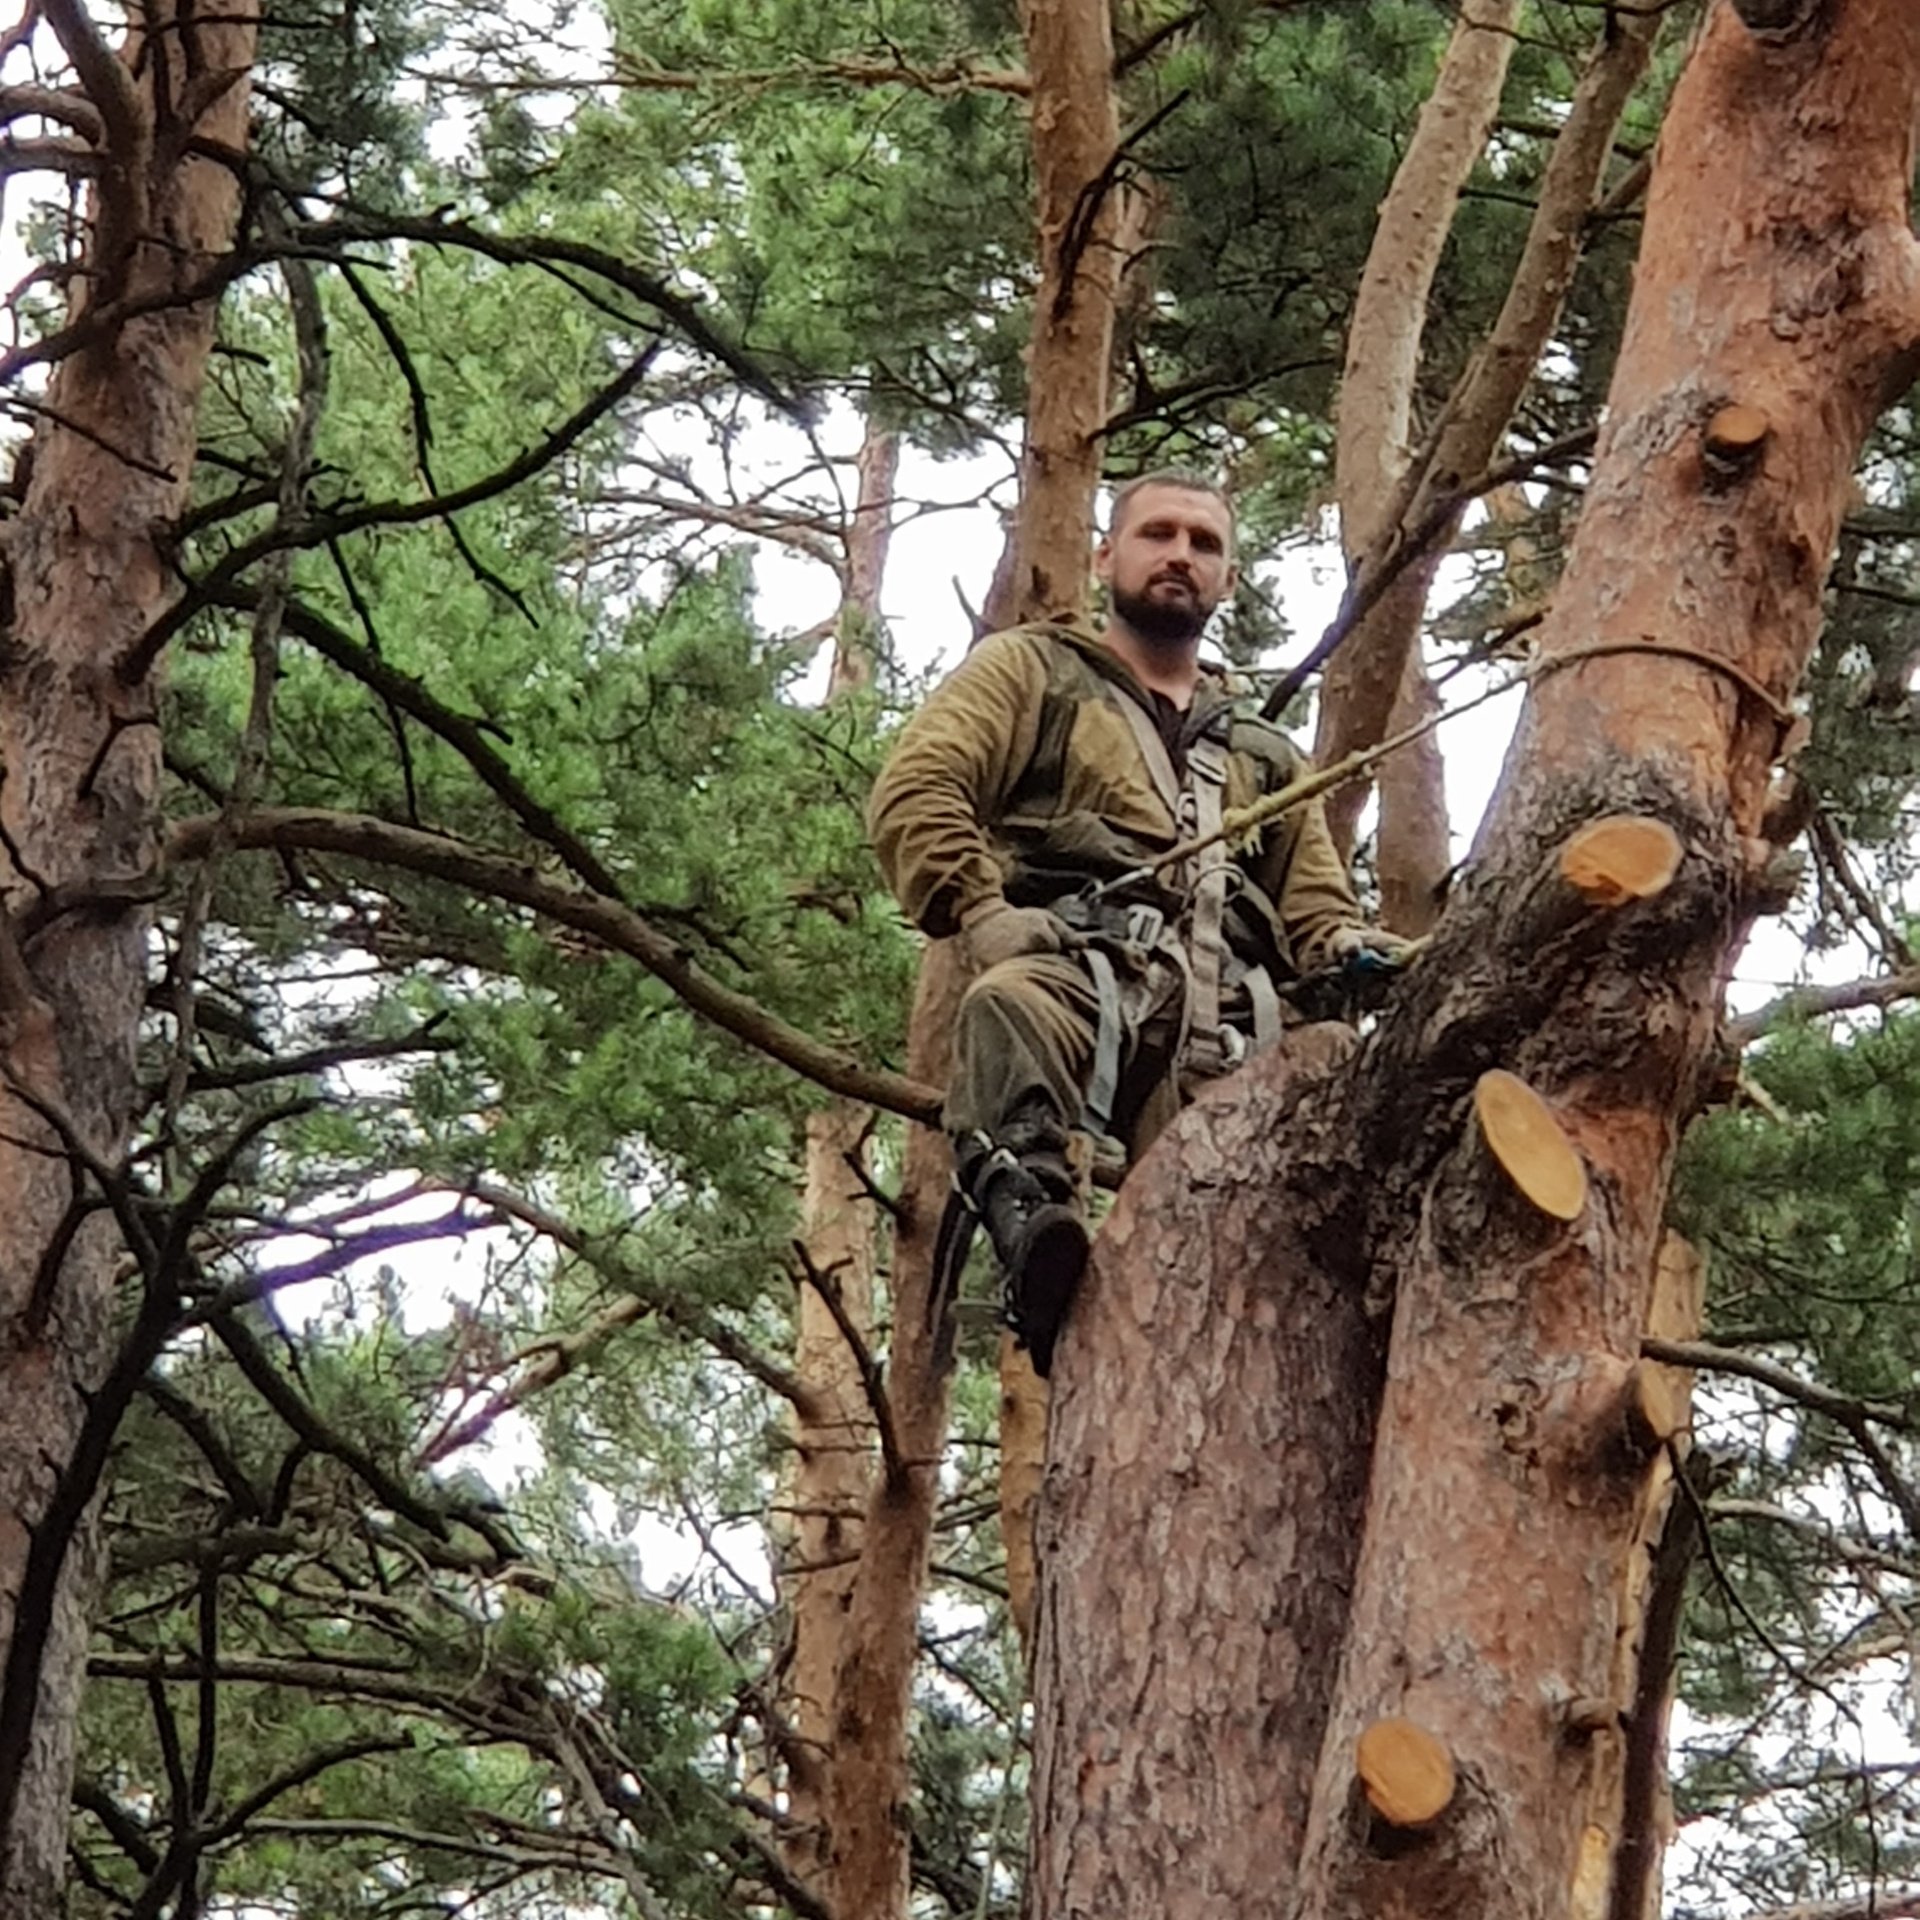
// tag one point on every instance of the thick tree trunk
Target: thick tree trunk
(1511, 1454)
(834, 1433)
(1379, 668)
(81, 755)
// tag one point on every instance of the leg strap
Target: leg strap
(1103, 1087)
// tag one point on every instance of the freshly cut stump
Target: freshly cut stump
(1406, 1773)
(1623, 857)
(1522, 1134)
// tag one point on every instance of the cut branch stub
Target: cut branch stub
(1734, 437)
(1406, 1773)
(1522, 1134)
(1623, 857)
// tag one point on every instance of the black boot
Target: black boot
(1032, 1216)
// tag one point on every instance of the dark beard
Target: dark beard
(1167, 623)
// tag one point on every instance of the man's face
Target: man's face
(1168, 562)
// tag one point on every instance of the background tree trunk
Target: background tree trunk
(81, 752)
(1074, 130)
(1253, 1240)
(1377, 682)
(833, 1434)
(1378, 671)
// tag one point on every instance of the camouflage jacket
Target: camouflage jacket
(1022, 774)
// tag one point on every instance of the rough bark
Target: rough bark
(1212, 1396)
(1618, 1875)
(1778, 270)
(1379, 670)
(81, 759)
(1213, 1393)
(833, 1432)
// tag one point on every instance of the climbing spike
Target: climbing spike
(1624, 857)
(1522, 1134)
(1405, 1771)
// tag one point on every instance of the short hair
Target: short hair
(1182, 478)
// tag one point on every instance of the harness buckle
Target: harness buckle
(1145, 925)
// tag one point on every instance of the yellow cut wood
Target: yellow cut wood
(1623, 857)
(1522, 1134)
(1406, 1773)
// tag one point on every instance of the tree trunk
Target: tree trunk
(1090, 226)
(868, 1784)
(833, 1434)
(81, 754)
(1414, 848)
(1176, 1713)
(1381, 499)
(1075, 124)
(1371, 672)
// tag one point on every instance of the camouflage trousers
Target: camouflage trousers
(1026, 1040)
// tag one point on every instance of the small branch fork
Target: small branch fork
(872, 1374)
(1856, 1418)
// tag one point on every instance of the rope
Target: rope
(1237, 822)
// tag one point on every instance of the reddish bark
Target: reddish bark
(82, 760)
(1379, 667)
(868, 1783)
(1778, 270)
(1075, 125)
(833, 1431)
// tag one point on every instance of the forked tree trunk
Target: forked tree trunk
(833, 1433)
(81, 755)
(1074, 131)
(1377, 678)
(1200, 1751)
(1377, 683)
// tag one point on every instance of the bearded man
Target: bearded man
(1021, 811)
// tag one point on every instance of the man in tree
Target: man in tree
(1022, 810)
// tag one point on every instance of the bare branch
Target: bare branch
(1812, 1003)
(872, 1376)
(61, 105)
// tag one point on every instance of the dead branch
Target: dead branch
(1813, 1003)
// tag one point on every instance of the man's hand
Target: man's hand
(997, 930)
(1348, 944)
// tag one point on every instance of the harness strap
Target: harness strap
(1206, 785)
(1265, 1002)
(1103, 1087)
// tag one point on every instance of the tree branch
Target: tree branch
(873, 1378)
(361, 836)
(1811, 1003)
(287, 534)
